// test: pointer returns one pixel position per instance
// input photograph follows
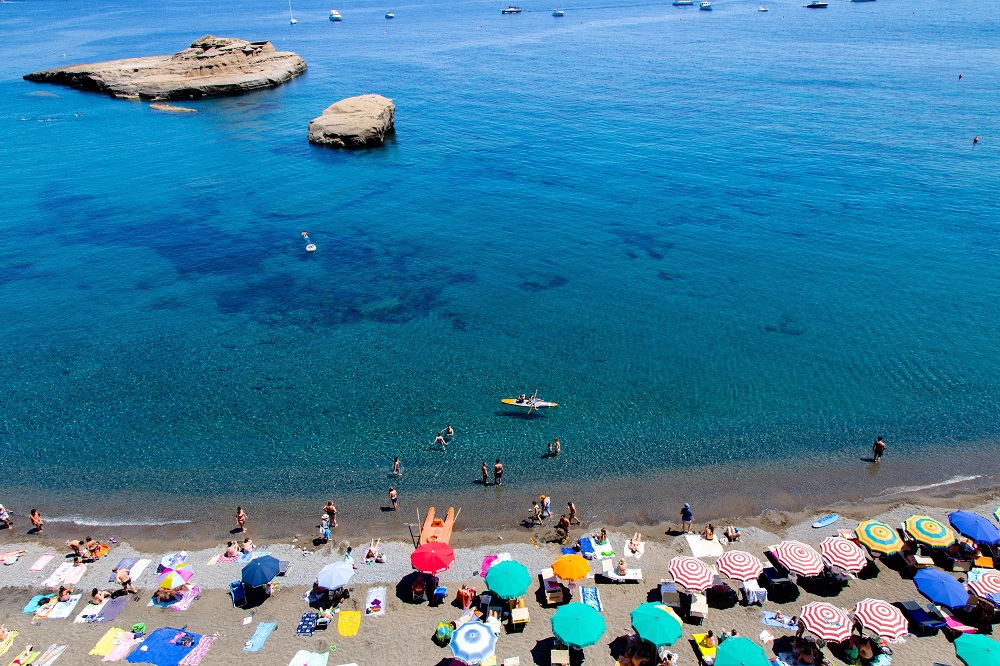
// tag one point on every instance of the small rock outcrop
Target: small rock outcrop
(355, 122)
(212, 66)
(171, 108)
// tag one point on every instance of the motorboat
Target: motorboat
(683, 3)
(817, 4)
(390, 15)
(335, 15)
(558, 12)
(705, 5)
(509, 9)
(762, 8)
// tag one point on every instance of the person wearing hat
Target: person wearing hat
(687, 518)
(546, 505)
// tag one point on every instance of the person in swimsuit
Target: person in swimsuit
(65, 593)
(449, 431)
(231, 549)
(36, 520)
(878, 448)
(396, 467)
(5, 517)
(394, 498)
(247, 546)
(241, 519)
(556, 446)
(124, 578)
(536, 514)
(440, 441)
(97, 597)
(331, 511)
(498, 473)
(562, 528)
(76, 547)
(573, 519)
(92, 548)
(546, 505)
(486, 475)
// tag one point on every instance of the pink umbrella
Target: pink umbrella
(691, 573)
(984, 581)
(826, 621)
(799, 558)
(881, 617)
(844, 554)
(739, 565)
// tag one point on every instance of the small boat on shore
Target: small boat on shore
(705, 5)
(335, 15)
(390, 15)
(558, 12)
(817, 4)
(510, 9)
(436, 529)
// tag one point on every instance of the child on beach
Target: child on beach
(536, 514)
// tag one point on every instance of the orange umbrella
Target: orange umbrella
(571, 567)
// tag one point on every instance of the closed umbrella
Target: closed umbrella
(171, 579)
(881, 617)
(844, 554)
(826, 621)
(978, 650)
(508, 580)
(928, 531)
(571, 567)
(941, 588)
(335, 575)
(740, 651)
(260, 571)
(975, 527)
(432, 557)
(799, 558)
(578, 625)
(739, 565)
(691, 573)
(879, 537)
(656, 624)
(473, 642)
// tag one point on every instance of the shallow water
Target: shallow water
(716, 237)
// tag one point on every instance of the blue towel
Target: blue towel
(768, 618)
(307, 625)
(256, 641)
(592, 597)
(159, 648)
(587, 547)
(568, 550)
(36, 602)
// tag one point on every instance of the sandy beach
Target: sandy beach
(403, 634)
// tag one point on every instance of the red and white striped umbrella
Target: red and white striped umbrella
(691, 573)
(826, 621)
(881, 617)
(984, 581)
(842, 553)
(799, 558)
(739, 565)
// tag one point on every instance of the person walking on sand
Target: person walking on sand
(331, 511)
(498, 473)
(573, 519)
(687, 518)
(36, 520)
(878, 448)
(241, 519)
(394, 498)
(486, 475)
(546, 505)
(536, 514)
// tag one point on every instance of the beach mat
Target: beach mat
(138, 568)
(41, 562)
(488, 561)
(162, 647)
(768, 618)
(587, 548)
(256, 641)
(604, 550)
(307, 625)
(75, 574)
(195, 656)
(25, 657)
(592, 597)
(89, 612)
(348, 623)
(307, 658)
(11, 635)
(124, 563)
(701, 548)
(35, 602)
(49, 657)
(121, 650)
(57, 577)
(109, 640)
(246, 557)
(375, 602)
(220, 558)
(63, 609)
(111, 610)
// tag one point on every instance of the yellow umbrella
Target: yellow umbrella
(928, 531)
(571, 567)
(879, 537)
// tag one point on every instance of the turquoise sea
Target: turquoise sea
(715, 238)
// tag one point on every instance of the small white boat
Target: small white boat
(683, 3)
(558, 12)
(390, 15)
(510, 9)
(335, 15)
(705, 5)
(291, 19)
(531, 403)
(817, 4)
(762, 8)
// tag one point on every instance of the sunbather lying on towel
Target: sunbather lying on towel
(634, 543)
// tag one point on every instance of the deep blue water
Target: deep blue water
(725, 236)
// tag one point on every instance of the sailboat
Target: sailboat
(291, 19)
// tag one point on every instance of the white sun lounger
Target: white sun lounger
(630, 574)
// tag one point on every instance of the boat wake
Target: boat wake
(105, 522)
(912, 489)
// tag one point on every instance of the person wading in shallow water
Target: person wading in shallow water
(486, 475)
(878, 448)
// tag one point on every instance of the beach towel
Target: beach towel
(111, 610)
(12, 556)
(121, 650)
(49, 656)
(349, 622)
(246, 557)
(89, 612)
(568, 550)
(109, 640)
(163, 647)
(41, 562)
(783, 659)
(592, 597)
(138, 568)
(488, 561)
(766, 636)
(74, 574)
(35, 602)
(604, 550)
(702, 548)
(195, 656)
(63, 609)
(587, 548)
(124, 563)
(221, 558)
(256, 641)
(57, 577)
(882, 660)
(307, 658)
(26, 657)
(307, 625)
(46, 608)
(769, 618)
(11, 635)
(375, 602)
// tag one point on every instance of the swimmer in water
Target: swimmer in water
(305, 235)
(975, 141)
(449, 431)
(440, 441)
(396, 471)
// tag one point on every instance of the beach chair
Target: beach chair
(239, 594)
(753, 593)
(706, 655)
(669, 595)
(283, 567)
(775, 580)
(519, 617)
(484, 603)
(699, 607)
(953, 627)
(560, 658)
(921, 622)
(552, 588)
(608, 571)
(439, 594)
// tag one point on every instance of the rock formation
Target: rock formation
(211, 66)
(355, 122)
(171, 108)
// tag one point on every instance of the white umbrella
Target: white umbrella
(337, 574)
(473, 642)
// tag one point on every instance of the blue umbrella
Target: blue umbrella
(941, 588)
(260, 571)
(975, 527)
(473, 642)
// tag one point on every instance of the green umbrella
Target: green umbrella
(978, 650)
(740, 651)
(508, 579)
(577, 625)
(654, 624)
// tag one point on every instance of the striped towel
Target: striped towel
(11, 635)
(220, 558)
(194, 657)
(41, 562)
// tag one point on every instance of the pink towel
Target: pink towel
(487, 563)
(187, 598)
(75, 574)
(41, 562)
(194, 657)
(121, 650)
(221, 558)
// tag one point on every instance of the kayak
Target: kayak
(527, 403)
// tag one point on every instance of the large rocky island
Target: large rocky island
(355, 122)
(212, 66)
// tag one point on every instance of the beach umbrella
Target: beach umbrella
(656, 624)
(171, 579)
(578, 625)
(799, 558)
(984, 582)
(260, 571)
(975, 527)
(508, 579)
(691, 573)
(174, 560)
(842, 553)
(335, 575)
(881, 617)
(473, 642)
(996, 514)
(571, 567)
(977, 650)
(826, 621)
(432, 557)
(740, 651)
(879, 537)
(739, 565)
(928, 531)
(941, 588)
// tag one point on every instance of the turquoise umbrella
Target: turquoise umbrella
(740, 651)
(654, 624)
(508, 580)
(578, 625)
(978, 650)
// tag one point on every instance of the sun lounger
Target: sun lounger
(552, 587)
(921, 622)
(519, 616)
(239, 594)
(705, 654)
(699, 607)
(560, 658)
(952, 625)
(753, 593)
(776, 580)
(631, 575)
(669, 595)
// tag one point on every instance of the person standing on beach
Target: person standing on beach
(36, 520)
(124, 578)
(331, 511)
(486, 475)
(394, 498)
(878, 448)
(546, 505)
(241, 519)
(5, 516)
(498, 473)
(687, 518)
(573, 519)
(536, 514)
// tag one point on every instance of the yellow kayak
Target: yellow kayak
(532, 404)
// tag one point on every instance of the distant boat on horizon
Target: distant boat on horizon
(705, 5)
(817, 4)
(510, 9)
(291, 19)
(762, 8)
(335, 15)
(683, 3)
(558, 12)
(390, 15)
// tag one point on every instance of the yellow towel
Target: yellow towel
(24, 658)
(11, 635)
(108, 642)
(349, 622)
